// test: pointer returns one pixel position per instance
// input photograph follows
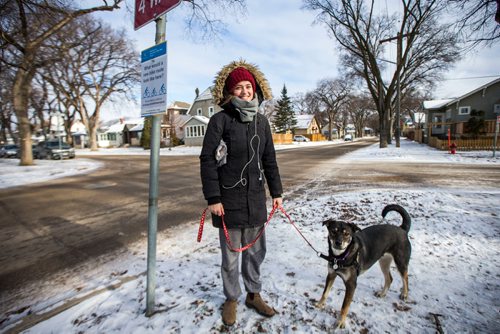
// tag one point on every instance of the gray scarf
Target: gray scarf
(247, 109)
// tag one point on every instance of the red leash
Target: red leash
(226, 233)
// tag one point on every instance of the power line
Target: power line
(487, 76)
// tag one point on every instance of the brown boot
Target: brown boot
(229, 312)
(255, 301)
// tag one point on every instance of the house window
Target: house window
(438, 119)
(210, 111)
(448, 113)
(463, 110)
(199, 112)
(194, 131)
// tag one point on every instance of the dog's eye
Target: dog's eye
(346, 232)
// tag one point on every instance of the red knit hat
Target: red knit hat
(237, 75)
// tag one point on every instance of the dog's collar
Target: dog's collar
(339, 262)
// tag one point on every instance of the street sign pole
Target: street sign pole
(153, 190)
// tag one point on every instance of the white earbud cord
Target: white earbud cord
(243, 180)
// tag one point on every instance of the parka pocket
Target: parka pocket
(232, 198)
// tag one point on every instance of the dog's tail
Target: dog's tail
(404, 214)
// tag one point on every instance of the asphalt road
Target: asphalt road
(58, 224)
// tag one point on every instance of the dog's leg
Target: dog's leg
(404, 290)
(403, 271)
(385, 264)
(328, 286)
(350, 287)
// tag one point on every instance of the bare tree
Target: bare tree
(6, 108)
(360, 109)
(102, 66)
(25, 28)
(427, 47)
(331, 96)
(205, 16)
(478, 21)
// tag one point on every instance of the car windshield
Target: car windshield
(10, 147)
(55, 144)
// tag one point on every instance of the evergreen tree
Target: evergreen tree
(285, 117)
(146, 133)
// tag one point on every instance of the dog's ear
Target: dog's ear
(354, 227)
(326, 222)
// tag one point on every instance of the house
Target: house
(194, 130)
(79, 133)
(191, 127)
(306, 125)
(453, 114)
(171, 122)
(123, 132)
(325, 129)
(203, 105)
(132, 134)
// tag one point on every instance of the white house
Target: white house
(194, 130)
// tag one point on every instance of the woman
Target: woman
(233, 183)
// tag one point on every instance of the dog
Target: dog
(352, 251)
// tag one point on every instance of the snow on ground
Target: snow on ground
(454, 269)
(12, 175)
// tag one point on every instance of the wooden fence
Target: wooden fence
(480, 144)
(287, 138)
(316, 137)
(282, 138)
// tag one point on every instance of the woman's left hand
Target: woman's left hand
(277, 202)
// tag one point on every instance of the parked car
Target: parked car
(300, 138)
(348, 137)
(51, 150)
(9, 151)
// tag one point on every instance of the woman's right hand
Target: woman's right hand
(217, 209)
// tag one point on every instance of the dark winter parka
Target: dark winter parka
(239, 184)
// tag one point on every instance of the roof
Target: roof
(201, 119)
(205, 95)
(475, 91)
(179, 105)
(303, 121)
(138, 127)
(435, 104)
(438, 104)
(117, 127)
(120, 125)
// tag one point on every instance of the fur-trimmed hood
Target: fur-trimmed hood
(262, 88)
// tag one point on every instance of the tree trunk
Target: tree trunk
(330, 127)
(21, 92)
(92, 136)
(383, 128)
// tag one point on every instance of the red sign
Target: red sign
(149, 10)
(498, 119)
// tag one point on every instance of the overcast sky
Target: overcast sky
(282, 40)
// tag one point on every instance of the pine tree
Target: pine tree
(146, 133)
(285, 117)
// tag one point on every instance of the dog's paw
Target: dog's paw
(380, 294)
(403, 297)
(319, 305)
(340, 324)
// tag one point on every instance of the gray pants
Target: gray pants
(252, 258)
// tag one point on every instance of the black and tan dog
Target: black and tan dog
(352, 251)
